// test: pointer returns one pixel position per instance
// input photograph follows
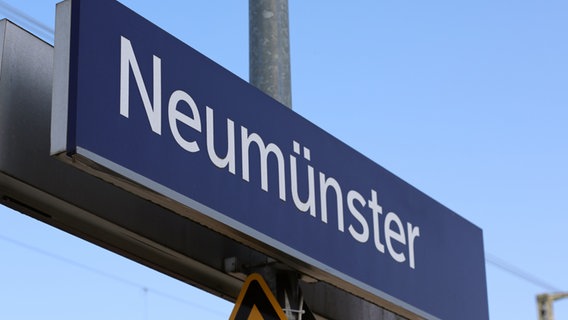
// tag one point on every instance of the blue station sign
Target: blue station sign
(135, 105)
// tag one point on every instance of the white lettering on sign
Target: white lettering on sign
(128, 62)
(364, 219)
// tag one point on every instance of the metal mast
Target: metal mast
(269, 48)
(269, 71)
(545, 301)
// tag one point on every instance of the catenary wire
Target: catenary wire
(19, 16)
(518, 272)
(108, 275)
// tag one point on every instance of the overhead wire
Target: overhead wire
(110, 276)
(518, 272)
(19, 16)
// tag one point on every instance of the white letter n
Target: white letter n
(127, 62)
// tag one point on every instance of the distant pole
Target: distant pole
(269, 49)
(545, 304)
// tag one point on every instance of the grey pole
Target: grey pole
(269, 49)
(269, 71)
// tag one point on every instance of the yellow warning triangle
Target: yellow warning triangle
(256, 302)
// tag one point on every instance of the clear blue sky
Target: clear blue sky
(466, 100)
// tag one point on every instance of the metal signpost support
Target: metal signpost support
(269, 69)
(269, 49)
